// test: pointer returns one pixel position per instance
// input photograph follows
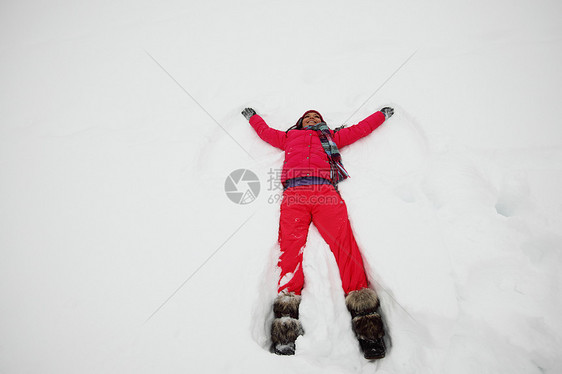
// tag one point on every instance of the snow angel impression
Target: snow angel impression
(311, 172)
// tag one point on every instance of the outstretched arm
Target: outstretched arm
(274, 137)
(353, 133)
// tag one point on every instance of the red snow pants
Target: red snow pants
(322, 205)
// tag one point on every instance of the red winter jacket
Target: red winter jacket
(304, 154)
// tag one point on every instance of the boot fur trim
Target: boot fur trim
(287, 305)
(285, 330)
(362, 302)
(368, 327)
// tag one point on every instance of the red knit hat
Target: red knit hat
(299, 122)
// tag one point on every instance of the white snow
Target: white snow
(121, 253)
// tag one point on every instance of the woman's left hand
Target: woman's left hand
(387, 111)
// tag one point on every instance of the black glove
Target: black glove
(387, 111)
(248, 113)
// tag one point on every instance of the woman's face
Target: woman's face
(311, 119)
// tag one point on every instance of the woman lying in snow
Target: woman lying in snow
(311, 172)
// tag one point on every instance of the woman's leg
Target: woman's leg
(294, 223)
(331, 219)
(293, 230)
(329, 215)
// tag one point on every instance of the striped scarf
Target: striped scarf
(337, 171)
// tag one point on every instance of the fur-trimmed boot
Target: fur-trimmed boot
(286, 326)
(366, 322)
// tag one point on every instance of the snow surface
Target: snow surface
(121, 253)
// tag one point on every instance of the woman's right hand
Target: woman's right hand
(248, 113)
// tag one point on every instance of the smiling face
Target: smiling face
(311, 119)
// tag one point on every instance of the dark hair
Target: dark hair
(297, 126)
